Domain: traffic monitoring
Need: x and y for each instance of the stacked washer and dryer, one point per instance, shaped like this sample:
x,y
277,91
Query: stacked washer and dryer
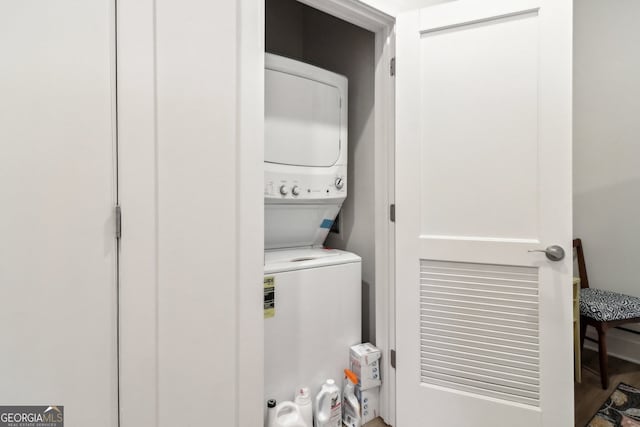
x,y
314,295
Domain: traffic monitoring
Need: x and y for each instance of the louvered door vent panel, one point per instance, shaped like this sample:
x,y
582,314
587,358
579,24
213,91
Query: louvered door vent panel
x,y
479,329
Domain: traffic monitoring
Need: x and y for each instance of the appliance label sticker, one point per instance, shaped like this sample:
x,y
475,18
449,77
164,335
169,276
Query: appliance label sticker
x,y
326,223
269,297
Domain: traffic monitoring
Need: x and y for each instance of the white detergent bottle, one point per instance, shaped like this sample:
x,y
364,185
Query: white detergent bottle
x,y
271,413
288,414
303,400
329,406
350,406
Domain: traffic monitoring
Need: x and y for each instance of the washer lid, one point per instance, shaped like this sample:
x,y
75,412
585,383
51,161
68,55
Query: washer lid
x,y
277,261
302,120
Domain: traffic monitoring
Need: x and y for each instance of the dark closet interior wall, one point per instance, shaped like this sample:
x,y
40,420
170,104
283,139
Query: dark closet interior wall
x,y
284,28
301,32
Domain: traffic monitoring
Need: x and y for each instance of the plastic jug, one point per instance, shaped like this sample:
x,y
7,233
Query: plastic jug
x,y
271,413
329,406
303,400
350,405
288,414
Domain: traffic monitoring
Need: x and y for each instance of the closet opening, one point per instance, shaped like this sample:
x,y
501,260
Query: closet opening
x,y
328,188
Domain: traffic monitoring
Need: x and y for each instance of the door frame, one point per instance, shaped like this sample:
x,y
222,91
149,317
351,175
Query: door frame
x,y
383,26
144,367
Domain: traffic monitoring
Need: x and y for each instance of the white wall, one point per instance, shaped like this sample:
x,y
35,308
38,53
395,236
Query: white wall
x,y
394,7
607,142
190,276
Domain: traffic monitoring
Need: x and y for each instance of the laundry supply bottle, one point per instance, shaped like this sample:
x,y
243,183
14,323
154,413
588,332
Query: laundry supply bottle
x,y
287,414
350,406
271,413
303,400
329,405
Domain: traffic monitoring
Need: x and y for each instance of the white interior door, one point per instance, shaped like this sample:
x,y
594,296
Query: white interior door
x,y
57,190
483,178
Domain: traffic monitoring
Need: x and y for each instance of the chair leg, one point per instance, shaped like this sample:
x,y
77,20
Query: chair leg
x,y
604,359
583,333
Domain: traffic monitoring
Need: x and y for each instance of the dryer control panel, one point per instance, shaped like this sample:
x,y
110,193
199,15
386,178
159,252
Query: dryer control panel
x,y
321,185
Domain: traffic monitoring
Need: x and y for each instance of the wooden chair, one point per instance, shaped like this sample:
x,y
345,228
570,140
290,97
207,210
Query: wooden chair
x,y
603,310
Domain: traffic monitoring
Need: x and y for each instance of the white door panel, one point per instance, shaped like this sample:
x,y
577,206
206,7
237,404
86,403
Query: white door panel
x,y
485,122
462,14
57,184
483,177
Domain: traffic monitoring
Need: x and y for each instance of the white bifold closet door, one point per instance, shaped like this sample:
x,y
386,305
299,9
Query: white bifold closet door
x,y
57,192
483,139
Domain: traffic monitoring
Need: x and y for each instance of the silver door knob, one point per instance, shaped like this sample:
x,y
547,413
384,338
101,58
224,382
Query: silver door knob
x,y
554,253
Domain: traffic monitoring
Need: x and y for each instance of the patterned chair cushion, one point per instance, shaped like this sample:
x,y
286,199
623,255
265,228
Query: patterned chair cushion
x,y
605,306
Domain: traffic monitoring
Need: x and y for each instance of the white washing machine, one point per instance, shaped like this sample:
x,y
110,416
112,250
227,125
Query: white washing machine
x,y
312,295
316,318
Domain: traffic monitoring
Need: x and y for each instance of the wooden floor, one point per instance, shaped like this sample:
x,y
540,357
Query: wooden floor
x,y
589,394
376,423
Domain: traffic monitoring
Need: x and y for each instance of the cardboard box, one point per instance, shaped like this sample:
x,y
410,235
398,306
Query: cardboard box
x,y
369,403
364,361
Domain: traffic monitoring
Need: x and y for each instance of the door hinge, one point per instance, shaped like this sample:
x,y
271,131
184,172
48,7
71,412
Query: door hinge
x,y
392,359
118,213
392,213
392,66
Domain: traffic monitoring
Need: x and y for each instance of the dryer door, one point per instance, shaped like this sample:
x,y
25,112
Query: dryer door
x,y
302,121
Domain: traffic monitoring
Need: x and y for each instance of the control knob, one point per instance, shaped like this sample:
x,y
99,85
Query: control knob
x,y
339,183
284,190
295,190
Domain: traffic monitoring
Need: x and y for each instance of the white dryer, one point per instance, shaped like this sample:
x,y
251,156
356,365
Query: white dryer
x,y
305,175
312,295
